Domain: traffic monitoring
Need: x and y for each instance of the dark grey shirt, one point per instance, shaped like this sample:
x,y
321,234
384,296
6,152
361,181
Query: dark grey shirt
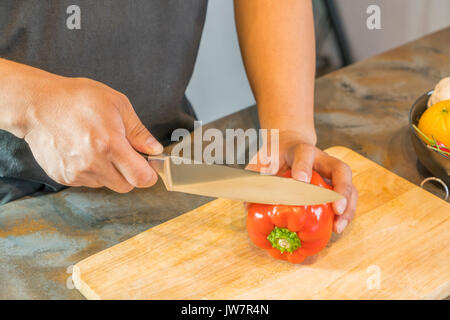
x,y
143,48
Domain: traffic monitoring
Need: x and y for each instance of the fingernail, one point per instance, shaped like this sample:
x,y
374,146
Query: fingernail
x,y
340,206
154,146
302,176
341,225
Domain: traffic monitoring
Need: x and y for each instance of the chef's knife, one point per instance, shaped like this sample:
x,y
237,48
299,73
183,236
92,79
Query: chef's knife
x,y
225,182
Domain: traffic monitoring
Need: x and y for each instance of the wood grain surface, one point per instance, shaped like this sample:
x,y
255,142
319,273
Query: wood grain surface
x,y
400,236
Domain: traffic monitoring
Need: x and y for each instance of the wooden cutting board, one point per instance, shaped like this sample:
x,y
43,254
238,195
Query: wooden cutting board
x,y
397,247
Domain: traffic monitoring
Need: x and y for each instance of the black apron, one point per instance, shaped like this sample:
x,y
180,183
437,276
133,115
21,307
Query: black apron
x,y
145,49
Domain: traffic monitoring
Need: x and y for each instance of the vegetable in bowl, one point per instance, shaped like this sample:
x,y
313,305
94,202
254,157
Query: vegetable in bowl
x,y
434,127
431,155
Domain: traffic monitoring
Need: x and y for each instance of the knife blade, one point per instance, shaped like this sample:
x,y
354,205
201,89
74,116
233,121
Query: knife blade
x,y
220,181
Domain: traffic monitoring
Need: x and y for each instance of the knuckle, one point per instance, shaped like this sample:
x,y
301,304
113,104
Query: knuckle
x,y
69,181
308,147
64,182
125,99
123,188
64,177
303,149
349,214
143,179
122,101
117,149
355,192
86,166
345,168
138,130
347,190
95,185
72,177
103,145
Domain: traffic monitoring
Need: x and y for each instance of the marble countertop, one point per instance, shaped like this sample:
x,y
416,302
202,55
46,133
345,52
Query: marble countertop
x,y
364,107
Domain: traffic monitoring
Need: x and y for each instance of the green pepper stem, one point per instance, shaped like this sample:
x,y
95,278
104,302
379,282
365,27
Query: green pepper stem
x,y
284,240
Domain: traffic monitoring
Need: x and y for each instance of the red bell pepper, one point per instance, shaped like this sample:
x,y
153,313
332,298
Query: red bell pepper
x,y
291,232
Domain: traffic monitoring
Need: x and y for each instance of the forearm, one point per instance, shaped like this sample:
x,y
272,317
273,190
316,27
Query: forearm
x,y
278,48
19,90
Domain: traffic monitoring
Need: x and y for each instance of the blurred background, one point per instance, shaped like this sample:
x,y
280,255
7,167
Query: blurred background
x,y
219,85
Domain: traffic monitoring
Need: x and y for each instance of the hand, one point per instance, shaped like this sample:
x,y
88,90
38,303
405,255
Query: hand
x,y
300,155
84,133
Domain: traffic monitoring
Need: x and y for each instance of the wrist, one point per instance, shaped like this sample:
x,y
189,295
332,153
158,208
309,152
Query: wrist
x,y
41,90
294,121
305,135
21,89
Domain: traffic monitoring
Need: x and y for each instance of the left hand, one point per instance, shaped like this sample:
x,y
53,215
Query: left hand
x,y
302,156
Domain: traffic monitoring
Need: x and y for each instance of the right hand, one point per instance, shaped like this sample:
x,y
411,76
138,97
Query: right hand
x,y
84,133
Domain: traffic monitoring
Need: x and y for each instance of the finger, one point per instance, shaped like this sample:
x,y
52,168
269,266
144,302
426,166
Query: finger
x,y
323,164
301,161
86,179
340,175
343,220
132,166
137,134
111,178
90,182
342,183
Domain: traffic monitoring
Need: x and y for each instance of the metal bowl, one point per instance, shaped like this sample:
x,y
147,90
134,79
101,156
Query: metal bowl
x,y
438,164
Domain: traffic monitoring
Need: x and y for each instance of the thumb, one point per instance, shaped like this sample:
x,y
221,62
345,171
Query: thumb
x,y
142,140
138,135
